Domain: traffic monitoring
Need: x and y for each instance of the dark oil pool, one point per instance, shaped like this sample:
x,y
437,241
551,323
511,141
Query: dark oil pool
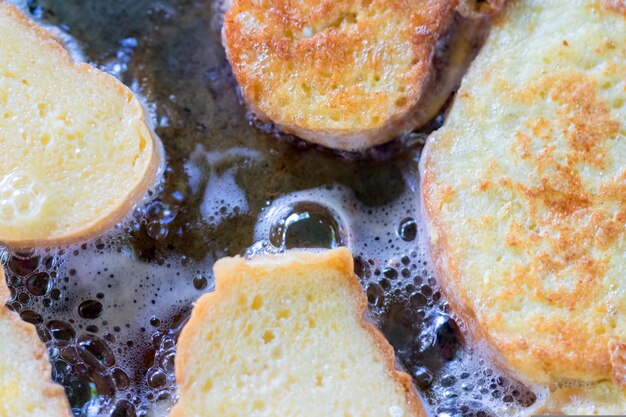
x,y
110,309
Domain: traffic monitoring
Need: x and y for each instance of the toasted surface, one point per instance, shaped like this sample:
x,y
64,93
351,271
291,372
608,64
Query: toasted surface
x,y
76,150
26,389
345,74
524,189
285,336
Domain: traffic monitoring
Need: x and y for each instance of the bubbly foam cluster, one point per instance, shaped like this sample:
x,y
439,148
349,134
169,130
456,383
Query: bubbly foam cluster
x,y
20,197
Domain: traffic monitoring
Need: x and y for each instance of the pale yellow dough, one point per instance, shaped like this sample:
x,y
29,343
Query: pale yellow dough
x,y
285,336
77,152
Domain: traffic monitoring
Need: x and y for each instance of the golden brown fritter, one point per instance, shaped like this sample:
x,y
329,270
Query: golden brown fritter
x,y
524,189
345,74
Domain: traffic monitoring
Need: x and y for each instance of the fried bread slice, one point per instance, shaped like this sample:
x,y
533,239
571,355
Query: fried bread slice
x,y
77,152
524,192
26,389
285,335
345,74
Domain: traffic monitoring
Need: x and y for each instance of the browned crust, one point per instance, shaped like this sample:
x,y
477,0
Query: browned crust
x,y
26,332
449,278
476,8
338,259
585,122
618,6
593,362
596,361
106,221
421,91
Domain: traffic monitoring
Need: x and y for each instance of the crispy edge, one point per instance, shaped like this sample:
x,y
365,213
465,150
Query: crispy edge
x,y
398,122
107,220
446,271
338,259
27,333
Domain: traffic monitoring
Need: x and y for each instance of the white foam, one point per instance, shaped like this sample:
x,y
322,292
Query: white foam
x,y
132,294
219,9
223,198
360,226
20,197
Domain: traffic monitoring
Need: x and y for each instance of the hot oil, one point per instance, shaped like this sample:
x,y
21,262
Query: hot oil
x,y
110,310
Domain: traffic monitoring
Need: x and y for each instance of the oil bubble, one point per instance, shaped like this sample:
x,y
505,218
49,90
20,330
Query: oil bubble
x,y
61,331
306,225
90,309
408,229
31,316
39,284
200,282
